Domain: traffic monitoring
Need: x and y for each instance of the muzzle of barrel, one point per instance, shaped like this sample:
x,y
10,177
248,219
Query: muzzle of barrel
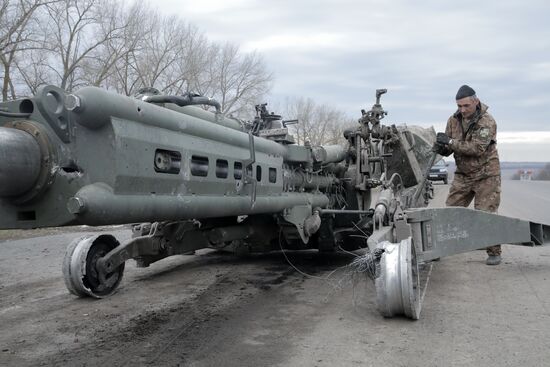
x,y
20,162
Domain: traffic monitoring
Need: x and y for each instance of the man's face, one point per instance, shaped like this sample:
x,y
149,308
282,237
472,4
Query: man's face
x,y
467,106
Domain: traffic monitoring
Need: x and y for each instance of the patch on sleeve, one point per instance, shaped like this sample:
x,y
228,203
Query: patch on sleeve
x,y
484,133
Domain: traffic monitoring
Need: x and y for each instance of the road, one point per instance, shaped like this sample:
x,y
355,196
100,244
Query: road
x,y
213,309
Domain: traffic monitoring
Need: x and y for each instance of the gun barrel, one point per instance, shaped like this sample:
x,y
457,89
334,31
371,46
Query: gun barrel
x,y
19,162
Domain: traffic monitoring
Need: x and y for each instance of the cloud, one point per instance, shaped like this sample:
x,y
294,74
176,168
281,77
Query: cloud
x,y
524,153
539,71
526,146
290,41
524,137
339,52
206,8
535,101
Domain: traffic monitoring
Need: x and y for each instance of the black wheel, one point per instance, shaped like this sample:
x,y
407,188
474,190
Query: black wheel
x,y
80,267
445,181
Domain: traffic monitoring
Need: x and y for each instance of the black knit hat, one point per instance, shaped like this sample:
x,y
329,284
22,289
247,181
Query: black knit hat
x,y
465,91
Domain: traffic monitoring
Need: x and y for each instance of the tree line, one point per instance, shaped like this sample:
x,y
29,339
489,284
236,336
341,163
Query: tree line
x,y
541,175
318,123
105,43
120,47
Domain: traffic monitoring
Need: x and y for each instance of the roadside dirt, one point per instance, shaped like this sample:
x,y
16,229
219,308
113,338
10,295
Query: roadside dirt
x,y
214,309
167,314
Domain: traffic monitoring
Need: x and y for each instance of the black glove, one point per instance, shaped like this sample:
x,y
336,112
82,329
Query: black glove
x,y
438,148
442,138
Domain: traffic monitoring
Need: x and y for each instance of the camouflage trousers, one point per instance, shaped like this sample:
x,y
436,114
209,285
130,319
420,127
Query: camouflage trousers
x,y
484,192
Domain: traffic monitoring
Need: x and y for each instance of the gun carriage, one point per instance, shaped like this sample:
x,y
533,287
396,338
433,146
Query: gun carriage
x,y
189,179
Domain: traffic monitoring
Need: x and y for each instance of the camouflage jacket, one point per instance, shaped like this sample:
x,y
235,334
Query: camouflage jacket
x,y
475,149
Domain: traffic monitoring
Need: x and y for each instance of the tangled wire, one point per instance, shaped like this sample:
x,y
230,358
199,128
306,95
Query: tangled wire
x,y
368,263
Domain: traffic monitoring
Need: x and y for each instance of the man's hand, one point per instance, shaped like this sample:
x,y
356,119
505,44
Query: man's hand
x,y
443,139
438,148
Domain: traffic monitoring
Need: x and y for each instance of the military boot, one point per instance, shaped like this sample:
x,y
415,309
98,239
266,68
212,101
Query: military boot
x,y
493,260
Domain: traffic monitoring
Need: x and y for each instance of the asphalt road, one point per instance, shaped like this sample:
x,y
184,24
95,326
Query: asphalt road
x,y
213,309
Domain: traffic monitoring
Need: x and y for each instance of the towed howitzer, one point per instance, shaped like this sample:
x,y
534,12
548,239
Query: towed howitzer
x,y
189,179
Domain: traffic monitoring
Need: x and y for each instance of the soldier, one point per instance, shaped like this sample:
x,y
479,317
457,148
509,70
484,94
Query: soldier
x,y
471,136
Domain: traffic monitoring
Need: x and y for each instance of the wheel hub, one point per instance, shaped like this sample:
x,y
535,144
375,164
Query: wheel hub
x,y
398,286
80,267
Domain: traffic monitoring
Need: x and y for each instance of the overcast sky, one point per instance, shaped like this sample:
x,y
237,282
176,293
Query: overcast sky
x,y
339,52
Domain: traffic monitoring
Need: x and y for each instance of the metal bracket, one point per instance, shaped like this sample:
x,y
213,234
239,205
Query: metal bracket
x,y
540,234
423,179
402,228
139,246
297,215
249,179
51,103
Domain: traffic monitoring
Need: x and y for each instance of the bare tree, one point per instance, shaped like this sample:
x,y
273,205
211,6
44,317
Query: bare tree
x,y
204,79
318,124
158,57
17,34
175,57
193,58
124,76
119,27
240,80
162,49
105,43
33,70
78,31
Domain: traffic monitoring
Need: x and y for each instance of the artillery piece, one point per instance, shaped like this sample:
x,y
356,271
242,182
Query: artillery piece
x,y
189,179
